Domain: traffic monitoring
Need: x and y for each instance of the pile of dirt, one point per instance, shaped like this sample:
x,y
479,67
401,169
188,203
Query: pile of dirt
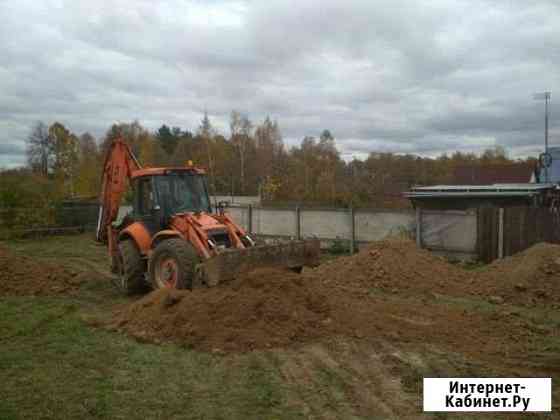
x,y
20,275
529,277
389,289
397,266
394,266
266,308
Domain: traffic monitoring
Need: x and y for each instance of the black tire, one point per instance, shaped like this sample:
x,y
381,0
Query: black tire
x,y
131,268
173,264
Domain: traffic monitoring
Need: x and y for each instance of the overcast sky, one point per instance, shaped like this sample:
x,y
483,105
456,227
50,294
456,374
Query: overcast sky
x,y
421,77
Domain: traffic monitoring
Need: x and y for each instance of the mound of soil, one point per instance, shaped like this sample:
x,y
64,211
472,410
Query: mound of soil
x,y
529,277
386,290
266,308
20,275
398,266
395,266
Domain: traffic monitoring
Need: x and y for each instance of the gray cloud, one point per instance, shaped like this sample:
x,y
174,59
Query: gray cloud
x,y
382,76
12,149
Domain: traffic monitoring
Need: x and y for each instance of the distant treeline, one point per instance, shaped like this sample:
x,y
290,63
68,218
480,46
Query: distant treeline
x,y
251,159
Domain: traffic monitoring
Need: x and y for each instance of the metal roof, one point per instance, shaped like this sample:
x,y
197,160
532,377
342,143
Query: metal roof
x,y
494,190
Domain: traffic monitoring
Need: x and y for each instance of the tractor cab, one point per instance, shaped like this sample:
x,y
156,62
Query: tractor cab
x,y
158,195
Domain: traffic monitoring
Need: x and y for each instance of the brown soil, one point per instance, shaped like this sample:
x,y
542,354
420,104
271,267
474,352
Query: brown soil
x,y
529,277
266,308
20,275
396,266
388,290
395,291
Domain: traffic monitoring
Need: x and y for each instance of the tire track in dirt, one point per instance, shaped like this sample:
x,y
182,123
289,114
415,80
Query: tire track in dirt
x,y
311,394
343,378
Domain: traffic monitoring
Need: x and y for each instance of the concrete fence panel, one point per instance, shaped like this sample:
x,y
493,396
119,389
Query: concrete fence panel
x,y
275,222
327,224
242,200
376,225
449,230
240,215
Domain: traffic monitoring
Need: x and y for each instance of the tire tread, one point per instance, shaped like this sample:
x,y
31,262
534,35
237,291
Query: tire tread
x,y
186,256
133,267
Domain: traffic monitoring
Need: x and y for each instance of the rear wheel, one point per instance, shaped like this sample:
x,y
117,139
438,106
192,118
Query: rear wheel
x,y
131,268
173,264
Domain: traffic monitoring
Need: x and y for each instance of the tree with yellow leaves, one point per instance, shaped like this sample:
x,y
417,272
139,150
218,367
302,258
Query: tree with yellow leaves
x,y
89,168
66,152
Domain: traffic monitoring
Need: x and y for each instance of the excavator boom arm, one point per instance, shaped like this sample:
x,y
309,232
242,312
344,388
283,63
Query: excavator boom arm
x,y
119,164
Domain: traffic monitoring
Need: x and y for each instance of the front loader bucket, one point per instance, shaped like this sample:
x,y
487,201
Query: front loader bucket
x,y
233,262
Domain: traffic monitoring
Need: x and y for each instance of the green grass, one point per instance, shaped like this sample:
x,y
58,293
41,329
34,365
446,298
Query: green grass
x,y
53,366
77,252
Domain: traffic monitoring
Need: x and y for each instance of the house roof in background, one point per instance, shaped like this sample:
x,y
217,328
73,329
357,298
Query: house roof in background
x,y
492,174
495,190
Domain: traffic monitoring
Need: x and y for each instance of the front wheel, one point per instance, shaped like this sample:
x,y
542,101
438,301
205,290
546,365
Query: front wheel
x,y
173,264
130,267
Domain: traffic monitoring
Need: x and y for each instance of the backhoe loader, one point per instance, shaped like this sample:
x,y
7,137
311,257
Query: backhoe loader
x,y
173,238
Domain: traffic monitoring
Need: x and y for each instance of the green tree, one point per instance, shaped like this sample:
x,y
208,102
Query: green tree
x,y
168,138
495,155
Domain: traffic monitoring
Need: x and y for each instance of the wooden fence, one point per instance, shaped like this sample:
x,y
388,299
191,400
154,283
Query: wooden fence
x,y
502,232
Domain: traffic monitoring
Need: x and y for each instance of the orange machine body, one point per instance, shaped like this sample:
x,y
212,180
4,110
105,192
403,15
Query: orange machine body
x,y
205,231
199,229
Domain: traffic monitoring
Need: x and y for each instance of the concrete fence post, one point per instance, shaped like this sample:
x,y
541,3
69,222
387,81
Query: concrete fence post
x,y
298,222
250,218
418,227
501,233
352,231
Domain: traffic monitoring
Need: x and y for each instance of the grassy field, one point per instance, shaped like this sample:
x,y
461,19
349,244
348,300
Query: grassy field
x,y
55,364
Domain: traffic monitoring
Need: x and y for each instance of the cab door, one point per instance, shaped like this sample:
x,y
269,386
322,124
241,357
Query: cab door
x,y
145,204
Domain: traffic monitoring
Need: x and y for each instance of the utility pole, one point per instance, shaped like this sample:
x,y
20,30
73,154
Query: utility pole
x,y
546,97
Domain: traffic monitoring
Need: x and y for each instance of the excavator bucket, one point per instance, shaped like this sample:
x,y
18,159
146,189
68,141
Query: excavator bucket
x,y
232,263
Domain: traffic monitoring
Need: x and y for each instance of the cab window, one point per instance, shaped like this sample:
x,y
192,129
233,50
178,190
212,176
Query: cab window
x,y
145,196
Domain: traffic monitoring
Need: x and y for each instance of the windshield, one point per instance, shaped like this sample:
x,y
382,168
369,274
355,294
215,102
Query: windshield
x,y
183,192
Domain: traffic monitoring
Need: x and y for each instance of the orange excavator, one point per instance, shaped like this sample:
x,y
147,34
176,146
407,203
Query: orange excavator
x,y
173,238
